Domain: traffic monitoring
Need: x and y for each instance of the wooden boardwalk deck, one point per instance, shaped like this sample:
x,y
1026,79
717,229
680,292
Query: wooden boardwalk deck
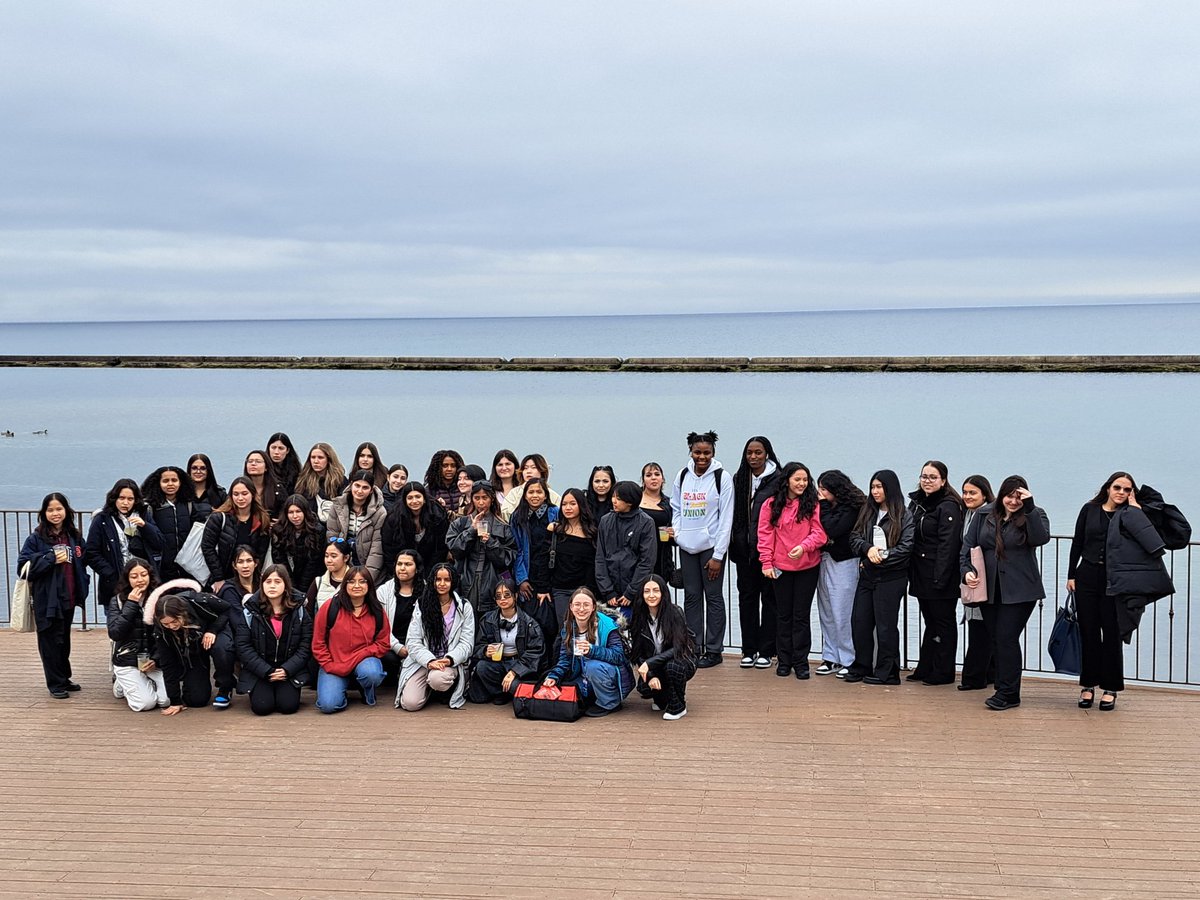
x,y
769,788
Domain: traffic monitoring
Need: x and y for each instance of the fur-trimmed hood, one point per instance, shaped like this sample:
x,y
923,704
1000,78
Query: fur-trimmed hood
x,y
174,586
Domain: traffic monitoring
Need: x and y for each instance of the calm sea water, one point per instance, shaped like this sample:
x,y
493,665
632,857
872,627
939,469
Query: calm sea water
x,y
1065,433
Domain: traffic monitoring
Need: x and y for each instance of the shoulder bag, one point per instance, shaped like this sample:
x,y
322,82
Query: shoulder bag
x,y
21,609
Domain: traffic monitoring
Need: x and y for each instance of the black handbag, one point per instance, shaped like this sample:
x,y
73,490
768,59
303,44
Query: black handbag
x,y
1066,646
674,573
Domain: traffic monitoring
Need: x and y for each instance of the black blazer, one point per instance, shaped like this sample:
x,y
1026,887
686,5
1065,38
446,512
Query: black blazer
x,y
1019,575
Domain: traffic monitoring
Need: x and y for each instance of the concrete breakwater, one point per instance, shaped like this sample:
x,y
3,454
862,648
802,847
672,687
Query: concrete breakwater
x,y
1065,364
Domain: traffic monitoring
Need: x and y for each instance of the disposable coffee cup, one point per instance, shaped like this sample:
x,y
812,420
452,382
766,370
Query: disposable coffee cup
x,y
143,660
484,527
664,533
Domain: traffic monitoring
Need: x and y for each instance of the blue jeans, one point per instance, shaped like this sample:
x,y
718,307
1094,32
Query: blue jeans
x,y
331,689
605,681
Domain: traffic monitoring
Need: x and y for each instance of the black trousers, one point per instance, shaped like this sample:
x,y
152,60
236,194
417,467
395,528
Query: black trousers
x,y
214,664
794,593
268,697
391,669
54,647
488,675
756,611
1005,623
546,617
939,643
875,619
674,675
979,669
1103,654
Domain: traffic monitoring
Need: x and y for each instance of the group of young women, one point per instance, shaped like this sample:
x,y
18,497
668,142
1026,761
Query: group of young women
x,y
464,584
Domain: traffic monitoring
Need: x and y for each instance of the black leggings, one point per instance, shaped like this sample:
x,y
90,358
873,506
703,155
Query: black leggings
x,y
267,697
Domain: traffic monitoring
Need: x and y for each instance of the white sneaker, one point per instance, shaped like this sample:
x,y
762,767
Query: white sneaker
x,y
118,691
826,668
842,672
671,717
763,662
747,662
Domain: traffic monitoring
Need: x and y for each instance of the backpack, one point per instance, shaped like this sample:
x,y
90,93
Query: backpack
x,y
716,475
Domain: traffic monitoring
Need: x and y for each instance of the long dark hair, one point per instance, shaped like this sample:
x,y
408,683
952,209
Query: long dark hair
x,y
985,487
1017,520
1102,494
289,598
893,503
433,475
212,490
152,490
945,473
418,576
110,499
432,624
844,491
123,579
522,514
743,475
586,520
494,503
431,513
259,517
284,534
593,498
46,531
256,578
268,476
671,622
341,600
287,471
378,470
808,499
511,457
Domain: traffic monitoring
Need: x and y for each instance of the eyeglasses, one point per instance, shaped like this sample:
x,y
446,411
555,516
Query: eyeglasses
x,y
930,477
197,468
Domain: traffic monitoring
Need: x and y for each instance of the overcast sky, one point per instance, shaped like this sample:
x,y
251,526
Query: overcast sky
x,y
220,159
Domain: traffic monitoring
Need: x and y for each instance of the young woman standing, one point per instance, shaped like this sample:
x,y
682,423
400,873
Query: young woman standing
x,y
790,538
202,492
533,466
416,523
274,643
702,504
572,554
753,483
483,548
240,521
298,542
285,464
172,514
1009,536
358,516
58,582
937,512
626,548
440,639
123,529
841,502
600,491
321,479
978,670
441,478
366,458
658,507
882,539
505,474
270,493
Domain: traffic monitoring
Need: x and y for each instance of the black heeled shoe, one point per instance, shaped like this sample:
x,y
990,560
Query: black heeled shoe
x,y
1086,702
1107,705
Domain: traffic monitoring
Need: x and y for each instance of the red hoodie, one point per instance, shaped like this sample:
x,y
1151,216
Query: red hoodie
x,y
352,639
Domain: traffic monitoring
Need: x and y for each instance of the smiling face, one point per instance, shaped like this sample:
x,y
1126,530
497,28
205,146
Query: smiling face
x,y
124,501
756,457
505,468
797,483
972,496
582,608
1119,491
198,471
702,456
56,513
397,480
317,460
464,482
168,483
652,594
273,586
1013,502
278,451
356,587
415,501
931,480
535,496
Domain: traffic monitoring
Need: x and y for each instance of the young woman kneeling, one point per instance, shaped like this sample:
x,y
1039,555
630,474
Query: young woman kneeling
x,y
663,649
440,639
136,676
350,637
191,633
592,657
508,650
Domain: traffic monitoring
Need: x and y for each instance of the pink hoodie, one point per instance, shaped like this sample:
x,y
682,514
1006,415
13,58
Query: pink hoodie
x,y
774,543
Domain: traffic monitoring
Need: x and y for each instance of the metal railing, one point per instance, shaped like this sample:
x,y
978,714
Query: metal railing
x,y
1160,652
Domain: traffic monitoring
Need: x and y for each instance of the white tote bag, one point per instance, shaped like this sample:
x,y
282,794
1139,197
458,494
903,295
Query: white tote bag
x,y
21,607
190,557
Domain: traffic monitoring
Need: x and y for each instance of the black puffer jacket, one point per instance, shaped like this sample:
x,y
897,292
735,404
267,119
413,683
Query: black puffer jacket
x,y
530,643
174,521
128,631
221,539
1133,553
261,653
937,539
176,652
304,559
838,521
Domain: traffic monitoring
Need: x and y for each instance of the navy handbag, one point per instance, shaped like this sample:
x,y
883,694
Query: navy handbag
x,y
1065,645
